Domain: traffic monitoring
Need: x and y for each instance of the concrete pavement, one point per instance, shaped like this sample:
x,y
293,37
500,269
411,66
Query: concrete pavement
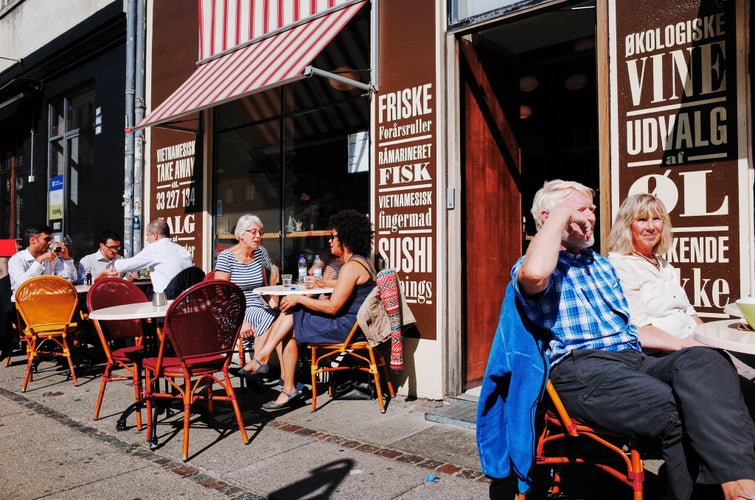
x,y
52,448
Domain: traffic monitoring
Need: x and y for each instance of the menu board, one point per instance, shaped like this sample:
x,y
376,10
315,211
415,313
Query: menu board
x,y
406,156
676,73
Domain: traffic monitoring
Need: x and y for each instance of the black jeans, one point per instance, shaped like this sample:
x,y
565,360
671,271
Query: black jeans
x,y
690,400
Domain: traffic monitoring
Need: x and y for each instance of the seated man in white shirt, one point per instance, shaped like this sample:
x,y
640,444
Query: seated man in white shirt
x,y
163,257
98,263
41,256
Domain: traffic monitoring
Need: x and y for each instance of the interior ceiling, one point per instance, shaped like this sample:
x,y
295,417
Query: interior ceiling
x,y
543,29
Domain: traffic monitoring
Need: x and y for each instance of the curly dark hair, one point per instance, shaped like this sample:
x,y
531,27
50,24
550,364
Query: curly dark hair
x,y
354,231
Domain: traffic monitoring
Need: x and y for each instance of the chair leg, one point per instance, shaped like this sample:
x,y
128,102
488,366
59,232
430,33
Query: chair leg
x,y
236,409
187,417
67,354
103,384
136,380
376,376
313,370
29,367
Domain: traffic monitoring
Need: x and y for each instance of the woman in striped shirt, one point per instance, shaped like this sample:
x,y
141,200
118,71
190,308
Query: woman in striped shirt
x,y
247,264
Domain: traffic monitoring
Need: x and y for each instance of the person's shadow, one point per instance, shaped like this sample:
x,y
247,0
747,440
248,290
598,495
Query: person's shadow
x,y
320,484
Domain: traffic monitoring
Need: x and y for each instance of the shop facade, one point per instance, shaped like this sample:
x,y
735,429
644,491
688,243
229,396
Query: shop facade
x,y
441,121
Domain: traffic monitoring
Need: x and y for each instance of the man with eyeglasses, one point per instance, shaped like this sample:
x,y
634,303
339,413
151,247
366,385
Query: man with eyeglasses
x,y
163,257
100,263
41,256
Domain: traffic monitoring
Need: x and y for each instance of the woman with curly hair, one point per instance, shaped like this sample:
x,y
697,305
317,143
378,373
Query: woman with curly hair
x,y
325,319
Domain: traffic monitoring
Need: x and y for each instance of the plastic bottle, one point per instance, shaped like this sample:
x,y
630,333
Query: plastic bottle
x,y
302,268
317,268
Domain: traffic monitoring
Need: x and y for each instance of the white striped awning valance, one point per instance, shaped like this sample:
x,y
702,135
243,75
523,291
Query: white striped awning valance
x,y
276,59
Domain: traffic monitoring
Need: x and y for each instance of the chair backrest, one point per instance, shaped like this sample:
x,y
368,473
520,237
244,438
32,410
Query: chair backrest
x,y
47,300
107,292
205,319
183,281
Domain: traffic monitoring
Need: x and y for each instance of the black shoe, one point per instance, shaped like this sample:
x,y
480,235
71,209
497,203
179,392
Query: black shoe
x,y
293,397
262,369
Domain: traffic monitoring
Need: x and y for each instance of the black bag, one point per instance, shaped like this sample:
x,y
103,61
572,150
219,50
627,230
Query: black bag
x,y
353,387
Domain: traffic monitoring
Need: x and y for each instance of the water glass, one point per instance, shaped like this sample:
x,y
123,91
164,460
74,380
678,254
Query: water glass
x,y
286,279
309,282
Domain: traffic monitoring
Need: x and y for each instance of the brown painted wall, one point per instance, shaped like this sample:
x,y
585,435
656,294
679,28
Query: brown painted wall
x,y
175,157
406,154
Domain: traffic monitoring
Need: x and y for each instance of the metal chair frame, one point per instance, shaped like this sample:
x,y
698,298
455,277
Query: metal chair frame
x,y
110,292
560,430
200,354
46,306
365,357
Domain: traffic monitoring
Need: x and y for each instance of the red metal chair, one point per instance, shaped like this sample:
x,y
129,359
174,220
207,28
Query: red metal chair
x,y
202,325
561,432
46,305
108,292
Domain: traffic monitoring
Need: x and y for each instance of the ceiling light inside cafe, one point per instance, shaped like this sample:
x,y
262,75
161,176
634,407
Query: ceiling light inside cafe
x,y
528,83
575,82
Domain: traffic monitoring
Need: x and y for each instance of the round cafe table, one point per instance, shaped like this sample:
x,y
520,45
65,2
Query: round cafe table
x,y
291,290
137,310
730,334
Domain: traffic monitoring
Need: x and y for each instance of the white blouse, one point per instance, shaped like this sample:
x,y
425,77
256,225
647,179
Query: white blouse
x,y
655,296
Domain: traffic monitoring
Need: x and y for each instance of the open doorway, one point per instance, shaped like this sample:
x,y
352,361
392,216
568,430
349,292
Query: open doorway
x,y
529,114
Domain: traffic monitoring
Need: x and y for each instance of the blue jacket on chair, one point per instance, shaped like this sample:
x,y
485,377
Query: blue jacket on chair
x,y
512,388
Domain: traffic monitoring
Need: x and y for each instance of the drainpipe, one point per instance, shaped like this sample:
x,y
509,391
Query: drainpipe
x,y
128,171
141,33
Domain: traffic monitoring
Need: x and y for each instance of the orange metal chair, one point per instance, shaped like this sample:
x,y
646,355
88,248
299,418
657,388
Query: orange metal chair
x,y
111,292
351,354
46,305
560,432
202,325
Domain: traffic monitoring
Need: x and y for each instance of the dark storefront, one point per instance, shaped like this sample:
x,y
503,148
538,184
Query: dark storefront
x,y
61,134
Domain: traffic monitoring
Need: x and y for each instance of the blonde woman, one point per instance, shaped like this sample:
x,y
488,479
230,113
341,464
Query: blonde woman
x,y
641,234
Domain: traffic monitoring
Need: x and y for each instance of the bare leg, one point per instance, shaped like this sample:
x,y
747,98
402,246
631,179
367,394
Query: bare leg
x,y
281,328
743,488
288,369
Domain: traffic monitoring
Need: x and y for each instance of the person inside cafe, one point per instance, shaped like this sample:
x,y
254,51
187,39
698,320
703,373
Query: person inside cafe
x,y
41,256
96,265
689,399
164,258
640,235
246,264
323,318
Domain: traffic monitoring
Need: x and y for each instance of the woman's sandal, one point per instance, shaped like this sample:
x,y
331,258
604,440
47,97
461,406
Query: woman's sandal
x,y
262,369
292,397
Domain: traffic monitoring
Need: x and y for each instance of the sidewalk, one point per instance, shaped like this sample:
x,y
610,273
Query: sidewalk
x,y
53,449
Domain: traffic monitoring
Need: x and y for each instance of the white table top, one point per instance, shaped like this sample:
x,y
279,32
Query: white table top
x,y
137,310
730,334
83,288
291,290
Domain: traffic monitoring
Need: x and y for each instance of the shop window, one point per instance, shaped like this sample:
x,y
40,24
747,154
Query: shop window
x,y
71,201
290,167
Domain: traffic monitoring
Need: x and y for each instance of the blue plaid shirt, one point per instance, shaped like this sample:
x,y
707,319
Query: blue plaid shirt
x,y
583,306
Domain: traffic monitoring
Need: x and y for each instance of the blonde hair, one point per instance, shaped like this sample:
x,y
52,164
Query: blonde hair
x,y
244,222
552,194
635,207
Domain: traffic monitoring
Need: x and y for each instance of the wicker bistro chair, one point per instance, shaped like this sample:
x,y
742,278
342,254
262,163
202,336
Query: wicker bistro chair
x,y
556,446
202,325
46,306
111,292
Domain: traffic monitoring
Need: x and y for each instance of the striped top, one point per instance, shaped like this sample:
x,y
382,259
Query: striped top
x,y
246,276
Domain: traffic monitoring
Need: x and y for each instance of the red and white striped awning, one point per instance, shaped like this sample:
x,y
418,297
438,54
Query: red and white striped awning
x,y
276,59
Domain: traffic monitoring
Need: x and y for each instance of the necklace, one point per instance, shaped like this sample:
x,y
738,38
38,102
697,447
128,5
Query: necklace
x,y
654,261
